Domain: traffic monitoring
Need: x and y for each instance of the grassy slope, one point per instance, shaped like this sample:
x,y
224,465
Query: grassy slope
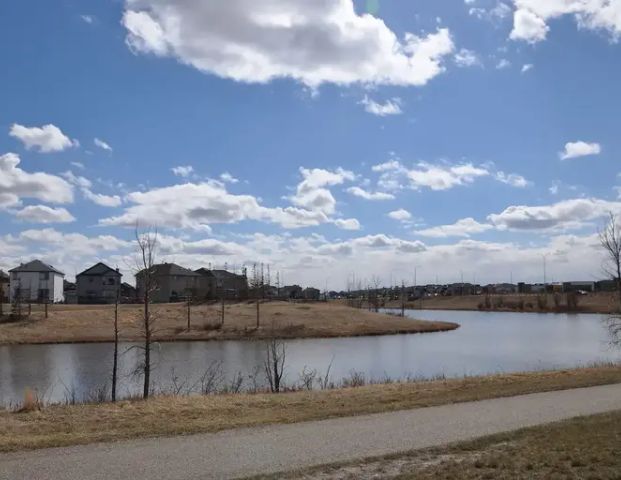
x,y
71,425
586,447
82,323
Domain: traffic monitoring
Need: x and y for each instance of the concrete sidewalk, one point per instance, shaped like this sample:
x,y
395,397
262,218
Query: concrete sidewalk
x,y
271,449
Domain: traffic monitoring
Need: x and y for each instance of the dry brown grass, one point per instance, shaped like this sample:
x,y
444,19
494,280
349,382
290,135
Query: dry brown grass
x,y
86,323
71,425
591,303
580,448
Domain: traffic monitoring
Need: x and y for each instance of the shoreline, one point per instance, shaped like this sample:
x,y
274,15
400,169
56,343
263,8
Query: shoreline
x,y
66,425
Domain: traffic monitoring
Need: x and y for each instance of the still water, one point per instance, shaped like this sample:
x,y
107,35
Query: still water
x,y
485,343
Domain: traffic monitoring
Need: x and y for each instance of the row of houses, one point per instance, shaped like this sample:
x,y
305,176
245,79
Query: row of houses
x,y
39,282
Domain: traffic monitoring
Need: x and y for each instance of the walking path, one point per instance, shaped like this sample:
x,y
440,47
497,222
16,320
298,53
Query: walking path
x,y
271,449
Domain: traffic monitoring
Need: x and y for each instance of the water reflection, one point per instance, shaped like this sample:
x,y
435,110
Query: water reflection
x,y
485,343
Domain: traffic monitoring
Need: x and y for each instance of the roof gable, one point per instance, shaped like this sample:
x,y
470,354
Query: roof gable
x,y
36,266
99,269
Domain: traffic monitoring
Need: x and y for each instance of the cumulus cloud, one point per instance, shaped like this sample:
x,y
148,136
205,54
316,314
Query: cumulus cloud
x,y
562,215
44,214
400,215
502,64
390,107
183,171
462,228
580,149
531,17
527,67
101,144
312,194
198,205
362,193
495,14
311,41
512,179
16,183
226,177
45,139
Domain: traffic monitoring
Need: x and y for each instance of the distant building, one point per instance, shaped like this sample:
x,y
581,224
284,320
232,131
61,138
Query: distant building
x,y
36,281
208,284
291,292
606,286
230,285
129,293
311,293
171,283
4,287
99,284
71,292
503,288
455,289
579,286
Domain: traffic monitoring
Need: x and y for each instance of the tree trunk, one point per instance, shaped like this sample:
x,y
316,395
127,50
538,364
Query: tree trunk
x,y
115,360
147,348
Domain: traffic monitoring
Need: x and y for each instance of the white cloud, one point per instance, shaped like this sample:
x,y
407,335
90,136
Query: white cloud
x,y
362,193
467,58
16,183
400,215
580,149
503,63
101,144
88,19
496,14
390,107
183,171
531,17
512,179
45,139
44,214
226,177
85,187
527,67
311,192
462,228
309,41
79,165
101,199
347,224
567,214
198,205
444,177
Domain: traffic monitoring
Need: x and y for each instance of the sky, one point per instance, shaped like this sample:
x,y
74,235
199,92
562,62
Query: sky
x,y
337,141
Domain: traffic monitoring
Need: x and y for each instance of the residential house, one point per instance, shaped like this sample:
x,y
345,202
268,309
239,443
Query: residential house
x,y
4,287
99,284
36,281
208,284
606,286
291,292
461,289
311,293
230,285
171,283
503,288
71,292
129,294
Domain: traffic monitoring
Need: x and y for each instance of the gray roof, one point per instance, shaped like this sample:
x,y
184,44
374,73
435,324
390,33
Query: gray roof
x,y
225,274
99,269
168,269
205,272
36,266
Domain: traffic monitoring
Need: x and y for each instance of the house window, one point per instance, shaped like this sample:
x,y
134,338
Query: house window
x,y
111,281
44,276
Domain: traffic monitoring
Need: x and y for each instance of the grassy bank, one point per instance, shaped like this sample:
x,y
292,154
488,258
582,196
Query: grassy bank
x,y
592,303
80,424
86,323
586,447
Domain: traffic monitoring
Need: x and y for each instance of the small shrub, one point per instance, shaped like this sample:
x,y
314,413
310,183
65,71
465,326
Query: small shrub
x,y
355,379
31,402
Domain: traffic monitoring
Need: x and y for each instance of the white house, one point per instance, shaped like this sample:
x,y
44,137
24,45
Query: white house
x,y
37,282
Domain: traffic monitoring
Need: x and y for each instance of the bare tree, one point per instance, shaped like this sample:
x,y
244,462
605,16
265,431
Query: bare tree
x,y
610,240
147,251
275,355
115,358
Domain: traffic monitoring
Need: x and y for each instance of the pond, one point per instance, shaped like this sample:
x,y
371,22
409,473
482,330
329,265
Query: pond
x,y
485,343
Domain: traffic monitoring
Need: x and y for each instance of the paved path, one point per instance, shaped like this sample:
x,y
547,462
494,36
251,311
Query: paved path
x,y
243,452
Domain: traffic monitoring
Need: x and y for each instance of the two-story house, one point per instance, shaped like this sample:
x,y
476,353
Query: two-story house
x,y
36,281
98,284
170,283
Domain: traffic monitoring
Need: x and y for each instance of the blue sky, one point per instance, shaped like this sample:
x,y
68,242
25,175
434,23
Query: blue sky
x,y
462,136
